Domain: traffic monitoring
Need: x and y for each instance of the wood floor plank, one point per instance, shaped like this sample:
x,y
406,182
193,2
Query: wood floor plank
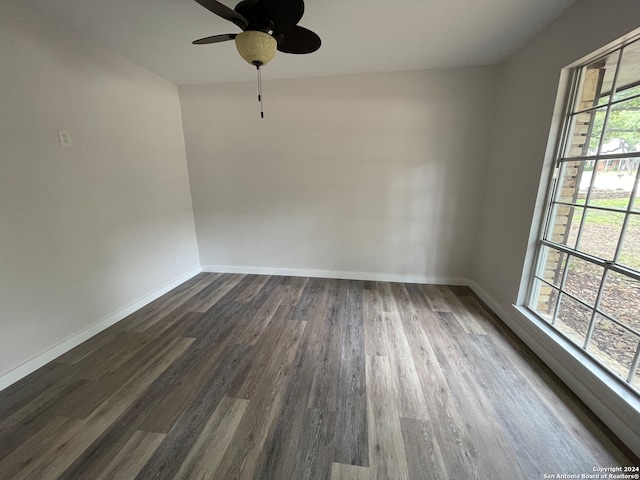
x,y
217,323
252,290
435,298
352,438
451,432
328,349
25,458
237,282
519,409
424,458
34,415
110,356
470,324
278,456
172,305
340,471
470,306
480,413
409,396
208,450
386,448
95,458
537,375
132,457
461,290
167,458
261,296
387,303
255,322
90,395
273,348
71,439
305,306
576,418
314,451
262,418
233,376
128,408
81,351
15,396
173,322
195,372
374,327
297,285
215,282
105,415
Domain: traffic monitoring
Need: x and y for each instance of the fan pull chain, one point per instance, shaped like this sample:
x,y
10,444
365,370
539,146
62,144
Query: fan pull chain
x,y
260,90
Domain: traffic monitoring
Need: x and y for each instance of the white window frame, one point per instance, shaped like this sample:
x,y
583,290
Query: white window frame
x,y
542,218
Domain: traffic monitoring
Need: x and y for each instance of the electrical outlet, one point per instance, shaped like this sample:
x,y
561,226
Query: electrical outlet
x,y
178,260
65,139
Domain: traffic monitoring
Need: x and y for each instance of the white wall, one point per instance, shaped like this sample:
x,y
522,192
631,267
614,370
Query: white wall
x,y
528,86
519,158
377,173
88,230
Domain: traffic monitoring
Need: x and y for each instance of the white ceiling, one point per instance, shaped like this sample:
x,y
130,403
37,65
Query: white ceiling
x,y
358,35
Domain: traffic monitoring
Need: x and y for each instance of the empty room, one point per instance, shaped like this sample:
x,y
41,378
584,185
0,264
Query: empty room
x,y
287,239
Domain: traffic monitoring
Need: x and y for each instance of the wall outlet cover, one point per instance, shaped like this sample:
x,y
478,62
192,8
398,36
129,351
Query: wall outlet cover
x,y
65,139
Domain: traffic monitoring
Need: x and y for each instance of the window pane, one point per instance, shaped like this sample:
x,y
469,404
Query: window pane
x,y
616,200
564,224
583,279
613,345
623,128
544,302
552,263
628,75
584,133
612,185
597,81
630,251
601,233
621,299
573,319
584,181
570,176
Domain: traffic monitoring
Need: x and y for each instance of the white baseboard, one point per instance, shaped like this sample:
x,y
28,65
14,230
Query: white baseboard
x,y
344,275
616,406
54,352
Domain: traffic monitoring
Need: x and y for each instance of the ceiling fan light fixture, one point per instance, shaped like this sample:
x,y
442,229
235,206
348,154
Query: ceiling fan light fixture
x,y
257,48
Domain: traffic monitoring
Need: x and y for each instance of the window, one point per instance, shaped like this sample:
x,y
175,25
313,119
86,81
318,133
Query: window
x,y
586,282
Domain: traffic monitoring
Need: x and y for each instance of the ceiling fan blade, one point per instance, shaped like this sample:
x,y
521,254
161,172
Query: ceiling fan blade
x,y
215,39
255,18
285,14
298,40
224,12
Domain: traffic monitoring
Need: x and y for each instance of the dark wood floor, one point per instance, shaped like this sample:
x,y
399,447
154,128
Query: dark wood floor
x,y
234,376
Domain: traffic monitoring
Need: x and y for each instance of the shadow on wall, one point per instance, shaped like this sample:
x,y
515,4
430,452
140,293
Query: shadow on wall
x,y
368,173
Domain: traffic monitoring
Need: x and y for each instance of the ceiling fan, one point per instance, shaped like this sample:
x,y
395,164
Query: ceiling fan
x,y
266,25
